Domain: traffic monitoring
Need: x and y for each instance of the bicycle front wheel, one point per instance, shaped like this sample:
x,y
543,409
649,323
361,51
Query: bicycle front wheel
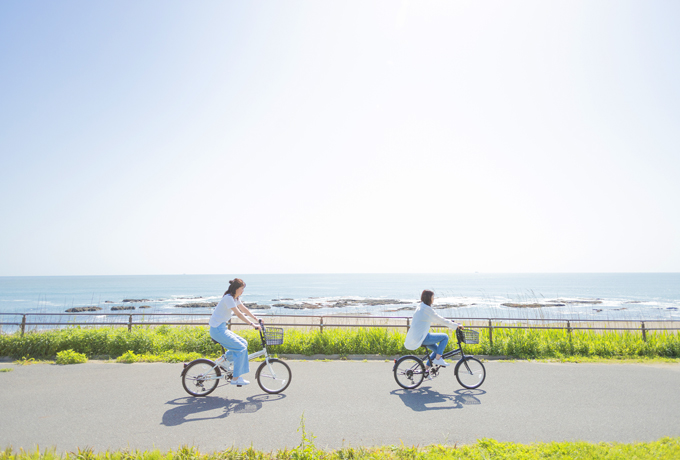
x,y
409,372
273,376
200,377
470,372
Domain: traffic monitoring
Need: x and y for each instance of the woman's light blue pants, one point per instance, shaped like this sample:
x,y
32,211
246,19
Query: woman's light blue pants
x,y
237,348
436,342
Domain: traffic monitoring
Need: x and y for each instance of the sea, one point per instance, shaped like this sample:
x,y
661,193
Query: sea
x,y
582,296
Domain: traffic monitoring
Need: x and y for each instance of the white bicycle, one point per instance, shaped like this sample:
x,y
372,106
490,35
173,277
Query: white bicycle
x,y
201,376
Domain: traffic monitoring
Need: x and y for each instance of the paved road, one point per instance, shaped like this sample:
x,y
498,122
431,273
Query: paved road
x,y
143,406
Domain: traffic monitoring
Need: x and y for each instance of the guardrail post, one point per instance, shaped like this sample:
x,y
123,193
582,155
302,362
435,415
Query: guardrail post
x,y
408,324
23,324
490,333
130,324
571,345
644,332
321,324
229,325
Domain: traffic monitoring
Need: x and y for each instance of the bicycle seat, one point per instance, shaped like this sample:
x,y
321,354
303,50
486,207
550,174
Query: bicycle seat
x,y
218,343
427,351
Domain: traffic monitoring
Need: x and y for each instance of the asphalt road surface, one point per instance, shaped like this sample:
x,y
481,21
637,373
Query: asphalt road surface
x,y
344,403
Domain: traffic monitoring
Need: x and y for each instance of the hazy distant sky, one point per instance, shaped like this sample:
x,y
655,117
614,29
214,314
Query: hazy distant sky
x,y
164,137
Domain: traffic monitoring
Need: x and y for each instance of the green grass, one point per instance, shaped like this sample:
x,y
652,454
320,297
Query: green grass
x,y
547,343
70,357
663,449
184,343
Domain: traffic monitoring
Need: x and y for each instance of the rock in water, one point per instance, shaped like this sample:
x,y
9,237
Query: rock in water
x,y
82,309
197,305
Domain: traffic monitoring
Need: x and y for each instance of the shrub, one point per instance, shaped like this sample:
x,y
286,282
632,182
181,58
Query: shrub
x,y
178,343
128,357
70,357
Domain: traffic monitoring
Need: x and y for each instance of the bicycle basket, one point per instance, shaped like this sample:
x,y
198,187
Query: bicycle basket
x,y
273,335
469,336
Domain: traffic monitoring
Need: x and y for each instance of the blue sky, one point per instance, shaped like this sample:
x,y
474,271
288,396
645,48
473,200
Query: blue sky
x,y
325,137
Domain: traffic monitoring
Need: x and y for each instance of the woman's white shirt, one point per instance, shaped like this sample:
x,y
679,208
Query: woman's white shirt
x,y
420,325
222,312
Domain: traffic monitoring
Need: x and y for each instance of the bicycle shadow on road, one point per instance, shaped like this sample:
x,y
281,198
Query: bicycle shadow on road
x,y
426,399
191,409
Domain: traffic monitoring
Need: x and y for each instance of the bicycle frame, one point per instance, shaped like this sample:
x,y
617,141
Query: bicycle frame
x,y
251,356
427,359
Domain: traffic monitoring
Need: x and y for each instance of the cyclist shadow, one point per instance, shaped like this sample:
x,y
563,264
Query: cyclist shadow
x,y
189,409
425,398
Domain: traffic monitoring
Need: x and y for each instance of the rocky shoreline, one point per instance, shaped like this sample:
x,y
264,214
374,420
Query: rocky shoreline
x,y
339,304
312,304
83,309
114,308
252,306
197,305
552,303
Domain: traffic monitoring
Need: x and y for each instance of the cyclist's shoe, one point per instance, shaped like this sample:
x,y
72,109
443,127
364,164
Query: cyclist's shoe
x,y
224,363
440,362
240,381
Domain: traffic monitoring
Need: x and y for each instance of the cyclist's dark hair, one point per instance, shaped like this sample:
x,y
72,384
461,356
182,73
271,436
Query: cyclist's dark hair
x,y
426,297
234,285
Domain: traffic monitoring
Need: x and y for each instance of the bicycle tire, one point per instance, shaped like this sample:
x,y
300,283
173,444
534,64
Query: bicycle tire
x,y
409,372
193,377
470,372
275,377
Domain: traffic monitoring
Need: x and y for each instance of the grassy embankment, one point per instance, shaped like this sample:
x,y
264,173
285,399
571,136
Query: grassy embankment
x,y
182,343
663,449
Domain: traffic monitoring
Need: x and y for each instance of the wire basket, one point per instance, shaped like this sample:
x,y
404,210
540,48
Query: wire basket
x,y
273,335
469,336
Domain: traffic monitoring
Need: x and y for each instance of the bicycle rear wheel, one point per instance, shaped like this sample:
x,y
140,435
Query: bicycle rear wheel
x,y
409,372
200,377
470,372
273,377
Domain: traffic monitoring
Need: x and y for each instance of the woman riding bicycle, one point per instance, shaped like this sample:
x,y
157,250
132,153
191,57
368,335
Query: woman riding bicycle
x,y
419,334
237,347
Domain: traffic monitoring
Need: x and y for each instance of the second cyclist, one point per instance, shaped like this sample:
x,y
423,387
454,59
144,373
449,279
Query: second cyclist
x,y
419,334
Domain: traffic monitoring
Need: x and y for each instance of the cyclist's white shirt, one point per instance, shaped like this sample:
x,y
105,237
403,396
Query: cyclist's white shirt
x,y
420,326
222,312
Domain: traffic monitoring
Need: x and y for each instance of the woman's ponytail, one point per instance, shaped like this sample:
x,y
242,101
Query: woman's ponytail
x,y
234,285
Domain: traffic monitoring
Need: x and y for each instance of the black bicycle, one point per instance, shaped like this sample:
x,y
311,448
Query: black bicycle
x,y
201,376
410,371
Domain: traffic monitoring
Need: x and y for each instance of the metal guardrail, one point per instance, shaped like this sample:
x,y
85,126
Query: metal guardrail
x,y
318,321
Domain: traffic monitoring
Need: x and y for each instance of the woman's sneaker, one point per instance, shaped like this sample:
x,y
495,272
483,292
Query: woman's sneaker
x,y
223,362
240,381
440,362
